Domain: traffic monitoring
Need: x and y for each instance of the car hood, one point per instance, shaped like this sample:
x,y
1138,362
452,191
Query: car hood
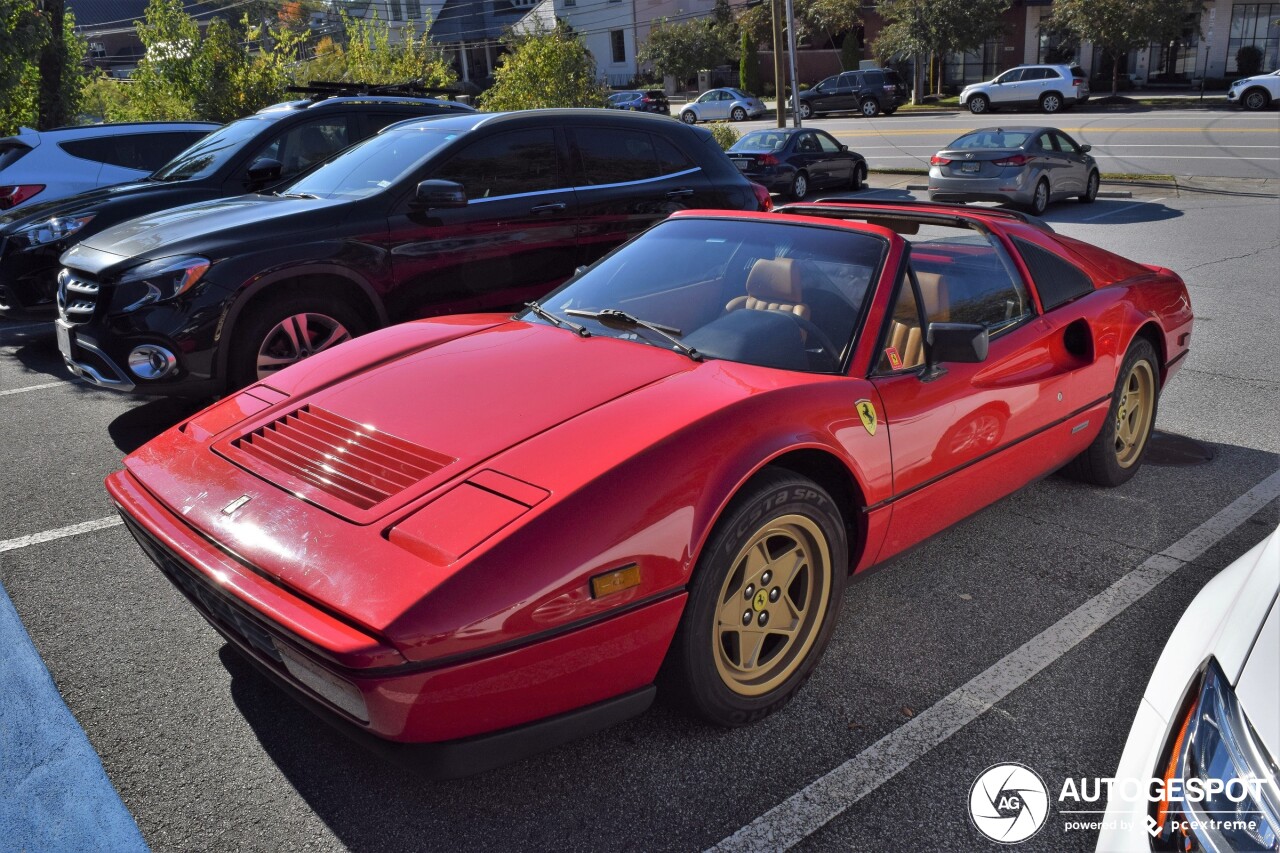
x,y
183,229
445,410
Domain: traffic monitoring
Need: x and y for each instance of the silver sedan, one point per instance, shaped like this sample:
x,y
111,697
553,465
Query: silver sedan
x,y
1026,166
722,104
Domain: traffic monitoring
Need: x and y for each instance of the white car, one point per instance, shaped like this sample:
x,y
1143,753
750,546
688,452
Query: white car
x,y
1255,93
721,105
1208,727
52,164
1049,88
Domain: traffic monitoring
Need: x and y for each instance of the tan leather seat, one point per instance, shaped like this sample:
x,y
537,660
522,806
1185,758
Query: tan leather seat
x,y
908,342
935,292
773,285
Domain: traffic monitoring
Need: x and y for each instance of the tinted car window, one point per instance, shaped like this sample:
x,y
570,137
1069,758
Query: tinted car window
x,y
991,139
375,164
11,155
609,156
849,80
212,152
1010,76
305,145
874,78
506,164
670,158
144,151
1057,280
88,149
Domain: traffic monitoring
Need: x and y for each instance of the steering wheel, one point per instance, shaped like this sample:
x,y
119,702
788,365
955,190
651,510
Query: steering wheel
x,y
812,334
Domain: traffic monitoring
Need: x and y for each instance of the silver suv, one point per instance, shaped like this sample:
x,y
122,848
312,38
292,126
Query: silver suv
x,y
1049,88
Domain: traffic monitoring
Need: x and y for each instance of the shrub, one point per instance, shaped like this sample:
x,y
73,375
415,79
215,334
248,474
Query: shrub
x,y
724,133
1249,61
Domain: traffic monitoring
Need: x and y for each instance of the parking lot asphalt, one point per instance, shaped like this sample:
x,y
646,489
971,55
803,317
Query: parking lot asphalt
x,y
204,753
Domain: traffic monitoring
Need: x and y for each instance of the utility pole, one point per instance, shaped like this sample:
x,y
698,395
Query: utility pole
x,y
791,56
778,86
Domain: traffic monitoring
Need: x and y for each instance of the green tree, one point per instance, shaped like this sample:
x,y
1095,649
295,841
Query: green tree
x,y
815,19
544,68
749,65
1117,26
684,49
23,33
365,54
60,67
850,53
1249,60
937,27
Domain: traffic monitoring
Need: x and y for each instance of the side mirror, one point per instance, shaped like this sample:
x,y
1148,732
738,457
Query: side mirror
x,y
1085,149
264,170
440,195
844,147
961,343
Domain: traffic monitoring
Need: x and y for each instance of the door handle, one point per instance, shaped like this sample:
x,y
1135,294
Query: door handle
x,y
553,207
680,193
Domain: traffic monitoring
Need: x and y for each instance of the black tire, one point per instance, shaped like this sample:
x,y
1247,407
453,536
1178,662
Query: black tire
x,y
1050,102
800,186
738,114
689,117
859,177
1090,193
979,104
1255,99
701,673
1109,461
1039,198
257,333
805,110
870,108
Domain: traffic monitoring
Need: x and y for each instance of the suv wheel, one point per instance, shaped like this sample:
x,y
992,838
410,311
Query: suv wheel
x,y
870,108
1255,99
978,104
1050,102
284,330
805,110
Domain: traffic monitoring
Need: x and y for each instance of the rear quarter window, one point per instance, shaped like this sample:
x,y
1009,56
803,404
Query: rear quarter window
x,y
1057,280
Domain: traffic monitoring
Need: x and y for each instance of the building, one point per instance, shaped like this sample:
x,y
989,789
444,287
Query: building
x,y
108,28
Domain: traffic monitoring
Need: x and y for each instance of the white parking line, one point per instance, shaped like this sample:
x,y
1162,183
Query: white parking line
x,y
60,533
806,811
40,387
1126,207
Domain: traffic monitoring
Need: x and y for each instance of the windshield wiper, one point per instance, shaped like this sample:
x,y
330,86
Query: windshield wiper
x,y
559,321
622,318
297,195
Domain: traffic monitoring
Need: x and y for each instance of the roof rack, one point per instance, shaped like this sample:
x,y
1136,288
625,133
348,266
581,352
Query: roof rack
x,y
321,89
959,208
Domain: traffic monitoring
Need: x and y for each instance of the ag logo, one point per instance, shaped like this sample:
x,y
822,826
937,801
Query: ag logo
x,y
1008,803
867,413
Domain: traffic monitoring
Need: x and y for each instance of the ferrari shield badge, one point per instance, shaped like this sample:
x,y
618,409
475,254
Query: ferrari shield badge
x,y
867,412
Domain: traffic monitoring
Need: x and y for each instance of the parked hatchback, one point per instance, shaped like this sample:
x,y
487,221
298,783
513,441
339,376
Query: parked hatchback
x,y
53,164
453,214
1026,166
722,105
253,153
869,92
1049,88
647,101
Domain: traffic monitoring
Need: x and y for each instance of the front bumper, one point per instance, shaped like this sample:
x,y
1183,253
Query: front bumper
x,y
467,715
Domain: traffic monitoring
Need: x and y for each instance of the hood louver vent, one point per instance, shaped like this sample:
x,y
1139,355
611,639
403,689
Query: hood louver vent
x,y
346,460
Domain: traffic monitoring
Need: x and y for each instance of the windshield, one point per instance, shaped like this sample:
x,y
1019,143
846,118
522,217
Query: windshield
x,y
991,139
762,140
373,165
210,153
757,292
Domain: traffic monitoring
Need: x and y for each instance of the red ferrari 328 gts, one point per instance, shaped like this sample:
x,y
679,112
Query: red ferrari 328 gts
x,y
473,537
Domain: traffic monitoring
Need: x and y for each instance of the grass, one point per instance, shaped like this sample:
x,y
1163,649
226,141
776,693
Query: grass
x,y
951,102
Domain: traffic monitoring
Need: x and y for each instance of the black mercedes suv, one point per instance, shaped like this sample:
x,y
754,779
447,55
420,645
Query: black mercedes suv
x,y
455,213
264,149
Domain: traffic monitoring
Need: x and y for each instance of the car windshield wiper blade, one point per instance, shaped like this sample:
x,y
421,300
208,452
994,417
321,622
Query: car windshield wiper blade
x,y
559,321
297,195
613,315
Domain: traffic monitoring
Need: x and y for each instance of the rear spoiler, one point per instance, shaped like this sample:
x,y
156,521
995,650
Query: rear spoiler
x,y
26,138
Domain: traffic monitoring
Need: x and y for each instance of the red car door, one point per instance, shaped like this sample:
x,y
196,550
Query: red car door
x,y
973,433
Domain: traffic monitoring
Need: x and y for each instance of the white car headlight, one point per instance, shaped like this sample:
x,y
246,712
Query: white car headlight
x,y
53,230
1220,785
165,278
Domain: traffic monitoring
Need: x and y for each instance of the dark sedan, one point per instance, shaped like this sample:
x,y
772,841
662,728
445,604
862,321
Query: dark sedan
x,y
1025,166
793,161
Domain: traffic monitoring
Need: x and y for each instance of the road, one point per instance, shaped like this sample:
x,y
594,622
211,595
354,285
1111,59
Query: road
x,y
1164,142
206,754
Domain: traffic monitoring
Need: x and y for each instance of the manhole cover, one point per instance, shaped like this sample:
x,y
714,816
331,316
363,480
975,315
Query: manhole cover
x,y
1166,448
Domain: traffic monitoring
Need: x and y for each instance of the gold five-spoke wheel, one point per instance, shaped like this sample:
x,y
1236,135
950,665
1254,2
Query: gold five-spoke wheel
x,y
1134,412
771,604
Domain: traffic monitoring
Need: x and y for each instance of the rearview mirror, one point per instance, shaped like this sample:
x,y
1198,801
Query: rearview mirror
x,y
440,195
960,343
264,170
